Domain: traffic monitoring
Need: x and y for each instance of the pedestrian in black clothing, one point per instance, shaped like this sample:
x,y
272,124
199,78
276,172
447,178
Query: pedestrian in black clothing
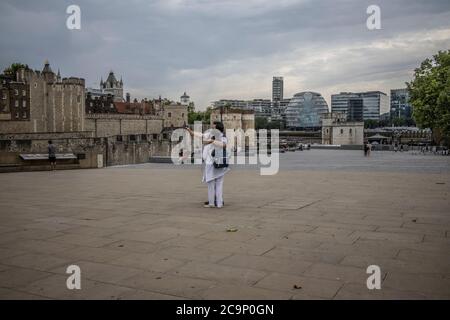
x,y
52,155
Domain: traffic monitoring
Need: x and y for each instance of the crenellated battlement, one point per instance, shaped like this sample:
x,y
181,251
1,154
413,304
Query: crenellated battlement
x,y
74,81
47,75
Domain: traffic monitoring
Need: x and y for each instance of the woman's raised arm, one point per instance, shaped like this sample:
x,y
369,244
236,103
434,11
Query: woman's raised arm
x,y
194,133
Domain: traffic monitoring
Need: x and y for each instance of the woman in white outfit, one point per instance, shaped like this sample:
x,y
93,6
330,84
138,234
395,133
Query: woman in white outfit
x,y
213,140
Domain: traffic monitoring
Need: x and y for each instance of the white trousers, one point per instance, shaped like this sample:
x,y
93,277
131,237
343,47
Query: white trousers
x,y
215,192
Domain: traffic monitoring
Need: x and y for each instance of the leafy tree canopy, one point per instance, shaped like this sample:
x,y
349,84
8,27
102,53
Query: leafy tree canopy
x,y
198,115
430,95
13,68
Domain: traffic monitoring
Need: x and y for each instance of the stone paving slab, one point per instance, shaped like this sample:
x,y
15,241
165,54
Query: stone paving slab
x,y
237,292
267,264
318,287
137,233
178,286
50,287
220,273
360,292
149,261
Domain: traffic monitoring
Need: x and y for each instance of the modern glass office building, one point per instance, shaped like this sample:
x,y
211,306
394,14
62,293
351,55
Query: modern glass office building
x,y
355,109
306,110
400,105
374,103
231,103
340,102
260,106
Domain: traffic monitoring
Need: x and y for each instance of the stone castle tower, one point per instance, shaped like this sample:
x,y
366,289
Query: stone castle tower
x,y
113,86
42,101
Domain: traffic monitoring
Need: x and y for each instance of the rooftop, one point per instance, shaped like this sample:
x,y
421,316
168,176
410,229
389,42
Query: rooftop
x,y
233,110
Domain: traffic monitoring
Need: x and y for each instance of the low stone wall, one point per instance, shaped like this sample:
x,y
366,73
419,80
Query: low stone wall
x,y
106,125
114,150
117,139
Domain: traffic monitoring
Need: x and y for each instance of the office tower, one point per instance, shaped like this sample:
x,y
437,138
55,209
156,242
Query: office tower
x,y
400,106
277,89
375,103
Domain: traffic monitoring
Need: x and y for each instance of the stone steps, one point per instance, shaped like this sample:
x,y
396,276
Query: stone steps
x,y
24,168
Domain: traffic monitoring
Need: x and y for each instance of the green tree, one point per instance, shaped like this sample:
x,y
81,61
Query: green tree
x,y
191,107
384,123
202,116
430,95
399,122
410,122
207,114
275,124
195,116
192,115
260,123
370,124
13,68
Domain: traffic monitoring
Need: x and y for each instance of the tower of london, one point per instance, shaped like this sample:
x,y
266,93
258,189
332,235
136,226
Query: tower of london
x,y
112,86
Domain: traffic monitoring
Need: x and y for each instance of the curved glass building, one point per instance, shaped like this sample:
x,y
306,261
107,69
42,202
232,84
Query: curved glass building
x,y
306,110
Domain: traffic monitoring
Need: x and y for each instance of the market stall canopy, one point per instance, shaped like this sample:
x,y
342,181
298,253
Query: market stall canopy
x,y
377,137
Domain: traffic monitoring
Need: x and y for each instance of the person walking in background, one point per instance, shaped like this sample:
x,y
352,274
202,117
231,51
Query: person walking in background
x,y
365,149
52,155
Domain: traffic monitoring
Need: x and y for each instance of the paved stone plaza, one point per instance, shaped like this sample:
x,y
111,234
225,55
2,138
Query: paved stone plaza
x,y
309,232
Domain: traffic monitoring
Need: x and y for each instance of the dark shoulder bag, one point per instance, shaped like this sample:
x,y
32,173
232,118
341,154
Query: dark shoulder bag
x,y
218,162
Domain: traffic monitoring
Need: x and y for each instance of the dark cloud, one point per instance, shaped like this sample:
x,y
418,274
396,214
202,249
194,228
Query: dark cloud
x,y
227,48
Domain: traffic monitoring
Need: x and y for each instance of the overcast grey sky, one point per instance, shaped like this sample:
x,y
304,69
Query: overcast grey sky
x,y
227,48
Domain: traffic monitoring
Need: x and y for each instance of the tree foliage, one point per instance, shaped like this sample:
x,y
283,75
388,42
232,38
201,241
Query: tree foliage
x,y
430,95
202,116
264,123
260,123
13,68
396,122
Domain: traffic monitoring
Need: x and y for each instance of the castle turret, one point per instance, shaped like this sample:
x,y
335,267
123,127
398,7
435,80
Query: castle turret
x,y
48,73
47,68
113,86
185,99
